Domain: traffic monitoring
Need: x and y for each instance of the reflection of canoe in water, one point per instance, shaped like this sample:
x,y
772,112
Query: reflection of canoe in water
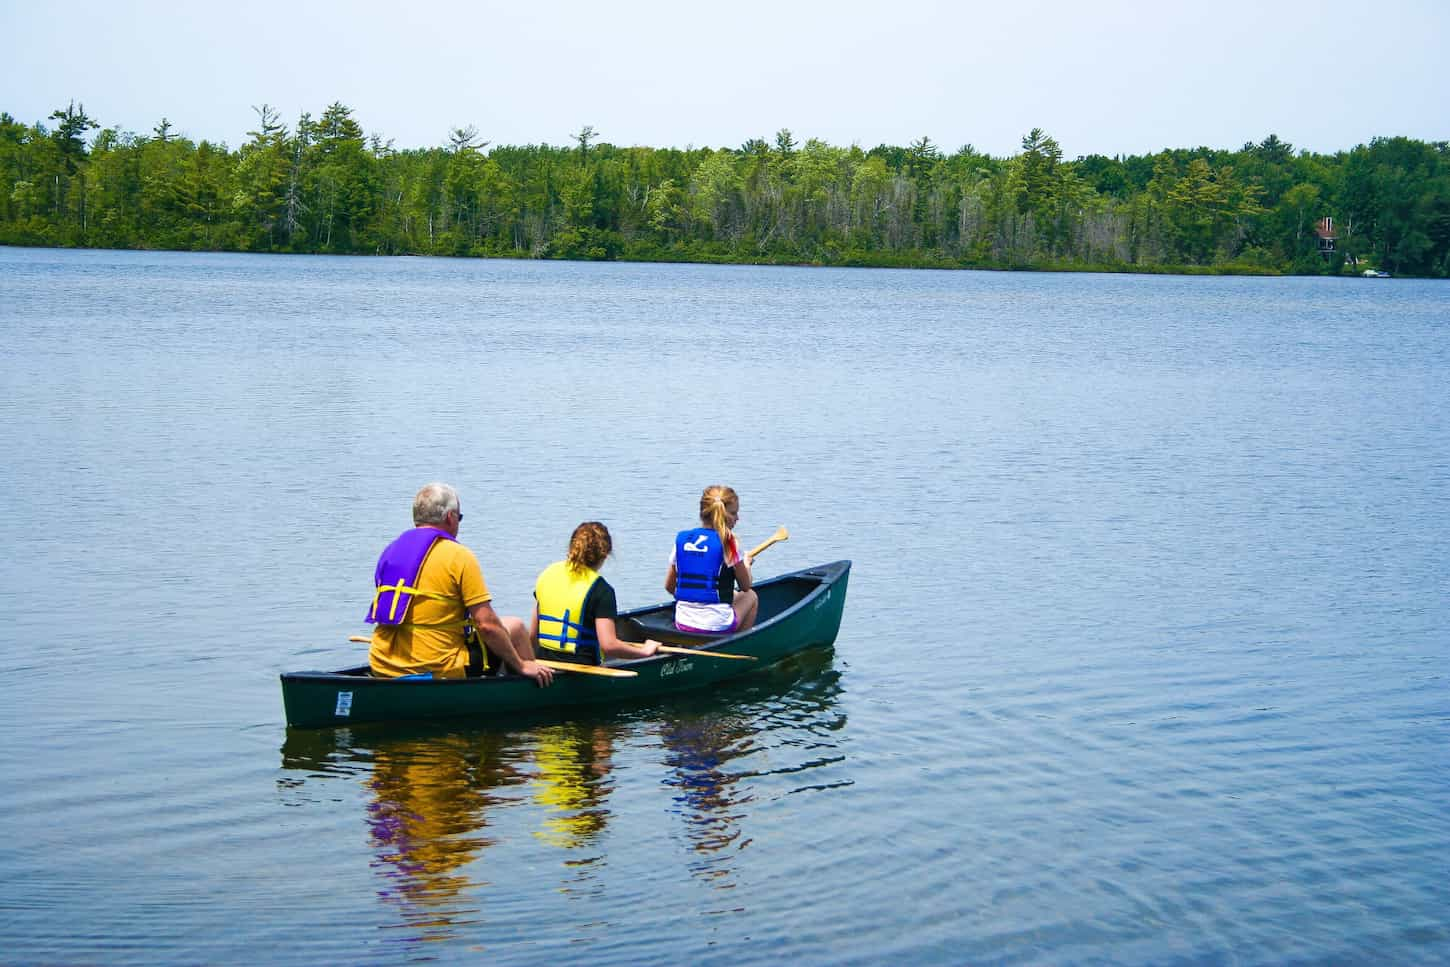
x,y
799,610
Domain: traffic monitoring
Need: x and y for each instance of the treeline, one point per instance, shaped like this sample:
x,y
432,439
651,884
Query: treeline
x,y
322,185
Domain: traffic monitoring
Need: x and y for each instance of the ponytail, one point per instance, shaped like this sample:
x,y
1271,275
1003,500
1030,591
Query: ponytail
x,y
713,504
589,545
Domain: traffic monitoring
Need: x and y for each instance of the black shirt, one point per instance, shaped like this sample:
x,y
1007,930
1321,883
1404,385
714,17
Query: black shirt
x,y
599,603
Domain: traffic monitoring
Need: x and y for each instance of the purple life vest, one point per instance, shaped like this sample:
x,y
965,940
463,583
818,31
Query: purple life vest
x,y
396,575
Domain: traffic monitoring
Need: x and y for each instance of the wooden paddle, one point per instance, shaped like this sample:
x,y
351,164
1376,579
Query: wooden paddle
x,y
675,650
781,534
602,670
559,666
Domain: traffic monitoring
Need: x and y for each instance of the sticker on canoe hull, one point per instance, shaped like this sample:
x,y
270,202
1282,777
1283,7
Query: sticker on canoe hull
x,y
344,705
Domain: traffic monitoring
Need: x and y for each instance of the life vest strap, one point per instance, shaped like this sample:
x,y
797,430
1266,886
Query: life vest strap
x,y
398,591
566,624
566,644
694,580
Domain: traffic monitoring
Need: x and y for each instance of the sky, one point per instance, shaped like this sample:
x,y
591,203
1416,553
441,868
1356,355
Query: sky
x,y
1104,77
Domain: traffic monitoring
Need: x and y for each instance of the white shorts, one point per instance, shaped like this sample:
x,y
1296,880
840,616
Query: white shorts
x,y
704,617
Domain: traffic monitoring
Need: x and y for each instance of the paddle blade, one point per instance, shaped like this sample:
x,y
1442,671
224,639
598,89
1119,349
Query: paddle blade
x,y
781,534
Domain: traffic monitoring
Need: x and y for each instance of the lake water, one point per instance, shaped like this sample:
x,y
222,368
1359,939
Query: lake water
x,y
1146,655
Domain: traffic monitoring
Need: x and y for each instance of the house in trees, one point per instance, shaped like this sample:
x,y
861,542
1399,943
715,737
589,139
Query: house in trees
x,y
1324,228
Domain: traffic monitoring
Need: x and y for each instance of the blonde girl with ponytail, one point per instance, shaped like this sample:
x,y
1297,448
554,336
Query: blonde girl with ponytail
x,y
709,575
575,608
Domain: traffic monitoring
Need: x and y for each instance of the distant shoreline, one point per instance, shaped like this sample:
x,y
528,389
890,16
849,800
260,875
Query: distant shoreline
x,y
323,187
933,265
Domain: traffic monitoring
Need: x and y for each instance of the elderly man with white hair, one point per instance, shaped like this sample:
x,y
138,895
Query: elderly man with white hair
x,y
431,608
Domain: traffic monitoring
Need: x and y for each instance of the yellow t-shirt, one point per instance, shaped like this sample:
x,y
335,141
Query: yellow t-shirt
x,y
430,639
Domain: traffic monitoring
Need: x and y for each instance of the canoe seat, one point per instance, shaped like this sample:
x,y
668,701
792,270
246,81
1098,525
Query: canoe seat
x,y
661,627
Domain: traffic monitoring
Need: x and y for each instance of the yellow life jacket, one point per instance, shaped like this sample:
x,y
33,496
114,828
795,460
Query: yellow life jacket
x,y
560,592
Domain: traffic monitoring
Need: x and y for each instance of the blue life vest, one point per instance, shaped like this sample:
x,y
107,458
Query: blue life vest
x,y
700,573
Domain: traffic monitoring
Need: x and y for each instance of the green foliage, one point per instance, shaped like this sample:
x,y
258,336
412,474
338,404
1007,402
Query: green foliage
x,y
324,185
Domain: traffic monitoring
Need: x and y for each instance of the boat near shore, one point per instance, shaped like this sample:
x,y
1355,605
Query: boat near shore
x,y
798,611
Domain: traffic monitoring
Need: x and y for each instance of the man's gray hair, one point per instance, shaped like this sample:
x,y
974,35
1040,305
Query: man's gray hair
x,y
433,503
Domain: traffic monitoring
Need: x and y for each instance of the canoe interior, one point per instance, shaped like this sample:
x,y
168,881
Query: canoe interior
x,y
658,622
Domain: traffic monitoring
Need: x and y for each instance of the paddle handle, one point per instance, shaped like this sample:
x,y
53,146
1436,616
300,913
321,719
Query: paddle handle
x,y
781,534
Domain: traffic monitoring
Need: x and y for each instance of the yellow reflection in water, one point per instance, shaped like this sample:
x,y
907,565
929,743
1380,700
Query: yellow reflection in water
x,y
428,819
430,792
573,761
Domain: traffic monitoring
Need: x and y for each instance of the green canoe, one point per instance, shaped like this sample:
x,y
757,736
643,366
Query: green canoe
x,y
799,610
